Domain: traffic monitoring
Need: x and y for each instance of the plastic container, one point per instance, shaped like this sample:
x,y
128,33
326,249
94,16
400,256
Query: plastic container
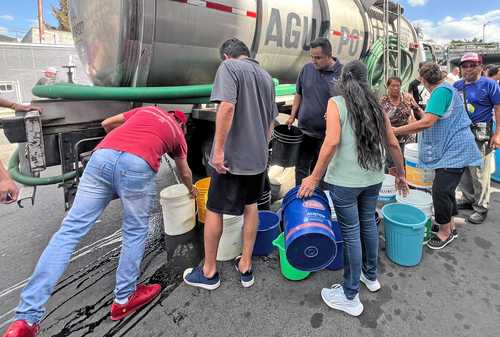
x,y
309,237
264,203
286,145
230,244
423,201
404,232
495,176
268,230
338,261
179,210
388,191
416,176
287,270
202,186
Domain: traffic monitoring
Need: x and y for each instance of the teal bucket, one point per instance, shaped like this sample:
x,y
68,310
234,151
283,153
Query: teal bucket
x,y
404,227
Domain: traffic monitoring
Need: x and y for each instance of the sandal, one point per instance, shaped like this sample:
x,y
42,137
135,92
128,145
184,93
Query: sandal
x,y
436,243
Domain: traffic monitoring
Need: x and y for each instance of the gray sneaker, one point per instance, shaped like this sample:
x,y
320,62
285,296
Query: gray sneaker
x,y
477,218
335,298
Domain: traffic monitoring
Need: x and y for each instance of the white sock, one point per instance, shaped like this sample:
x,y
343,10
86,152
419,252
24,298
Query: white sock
x,y
125,301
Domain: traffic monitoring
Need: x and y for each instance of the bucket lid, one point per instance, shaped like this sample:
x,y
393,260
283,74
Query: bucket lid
x,y
312,251
416,198
174,191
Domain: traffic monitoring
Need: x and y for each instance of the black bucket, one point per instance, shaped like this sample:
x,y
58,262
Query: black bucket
x,y
264,202
286,145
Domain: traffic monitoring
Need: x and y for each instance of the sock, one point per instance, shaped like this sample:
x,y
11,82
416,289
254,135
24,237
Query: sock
x,y
125,301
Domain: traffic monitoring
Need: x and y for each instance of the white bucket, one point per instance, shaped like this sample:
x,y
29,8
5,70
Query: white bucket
x,y
420,199
179,210
416,176
388,190
423,201
230,244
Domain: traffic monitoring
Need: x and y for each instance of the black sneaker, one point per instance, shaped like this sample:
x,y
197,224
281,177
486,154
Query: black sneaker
x,y
436,243
464,205
246,278
477,218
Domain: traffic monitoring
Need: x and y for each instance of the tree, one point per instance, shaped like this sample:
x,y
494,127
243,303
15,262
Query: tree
x,y
61,14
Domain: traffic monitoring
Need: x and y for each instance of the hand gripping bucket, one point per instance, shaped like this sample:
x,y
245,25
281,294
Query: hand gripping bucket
x,y
268,230
309,237
179,210
286,145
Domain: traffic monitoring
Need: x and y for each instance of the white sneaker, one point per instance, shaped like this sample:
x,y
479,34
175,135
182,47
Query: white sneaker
x,y
335,298
372,286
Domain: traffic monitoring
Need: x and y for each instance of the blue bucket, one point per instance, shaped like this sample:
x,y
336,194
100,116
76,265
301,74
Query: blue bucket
x,y
496,175
338,261
268,230
309,237
404,227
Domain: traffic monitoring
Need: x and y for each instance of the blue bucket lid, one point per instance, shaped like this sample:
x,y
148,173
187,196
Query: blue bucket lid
x,y
311,252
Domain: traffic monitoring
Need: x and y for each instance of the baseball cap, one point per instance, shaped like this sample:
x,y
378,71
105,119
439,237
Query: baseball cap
x,y
471,57
179,115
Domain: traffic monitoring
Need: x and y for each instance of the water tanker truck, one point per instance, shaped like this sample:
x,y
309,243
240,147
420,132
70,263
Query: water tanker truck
x,y
167,52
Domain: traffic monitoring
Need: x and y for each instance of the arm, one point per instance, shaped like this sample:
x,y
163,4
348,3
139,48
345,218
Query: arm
x,y
223,122
332,140
426,122
8,189
397,157
17,107
186,175
113,122
297,99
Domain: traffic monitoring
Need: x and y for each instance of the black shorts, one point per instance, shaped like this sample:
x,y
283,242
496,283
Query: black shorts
x,y
443,193
229,193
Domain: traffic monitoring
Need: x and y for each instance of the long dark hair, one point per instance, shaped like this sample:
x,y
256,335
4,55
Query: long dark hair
x,y
365,114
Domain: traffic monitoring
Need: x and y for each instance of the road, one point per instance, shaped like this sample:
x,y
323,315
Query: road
x,y
454,292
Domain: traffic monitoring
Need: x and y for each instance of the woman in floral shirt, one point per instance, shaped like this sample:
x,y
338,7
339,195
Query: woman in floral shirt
x,y
401,109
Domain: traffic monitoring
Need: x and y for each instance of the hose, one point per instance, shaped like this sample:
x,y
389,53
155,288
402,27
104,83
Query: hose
x,y
13,168
137,94
375,63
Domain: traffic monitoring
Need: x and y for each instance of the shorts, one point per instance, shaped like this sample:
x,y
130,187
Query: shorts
x,y
230,193
445,183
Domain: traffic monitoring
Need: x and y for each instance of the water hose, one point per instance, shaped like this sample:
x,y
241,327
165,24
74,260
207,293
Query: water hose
x,y
13,168
187,94
375,63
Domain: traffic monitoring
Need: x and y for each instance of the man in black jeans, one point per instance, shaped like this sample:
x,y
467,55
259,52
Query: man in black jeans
x,y
315,85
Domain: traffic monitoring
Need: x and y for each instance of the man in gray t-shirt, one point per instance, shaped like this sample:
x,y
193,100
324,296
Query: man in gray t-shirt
x,y
246,96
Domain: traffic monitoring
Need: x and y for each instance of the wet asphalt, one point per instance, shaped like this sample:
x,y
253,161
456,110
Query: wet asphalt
x,y
453,292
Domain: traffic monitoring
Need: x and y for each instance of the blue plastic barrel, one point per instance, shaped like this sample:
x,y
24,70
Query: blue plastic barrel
x,y
495,176
309,237
268,230
338,261
404,232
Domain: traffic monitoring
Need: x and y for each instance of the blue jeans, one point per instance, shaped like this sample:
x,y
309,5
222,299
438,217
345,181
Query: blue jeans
x,y
355,208
107,174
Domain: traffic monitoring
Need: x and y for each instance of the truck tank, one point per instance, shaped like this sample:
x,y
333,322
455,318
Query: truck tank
x,y
176,42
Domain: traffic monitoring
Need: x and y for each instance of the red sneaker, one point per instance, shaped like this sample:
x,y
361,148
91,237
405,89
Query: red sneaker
x,y
21,328
142,296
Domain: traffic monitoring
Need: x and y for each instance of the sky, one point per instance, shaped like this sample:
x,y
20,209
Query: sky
x,y
441,20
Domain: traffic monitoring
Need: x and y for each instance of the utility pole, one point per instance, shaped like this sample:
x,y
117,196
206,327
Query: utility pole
x,y
484,26
41,24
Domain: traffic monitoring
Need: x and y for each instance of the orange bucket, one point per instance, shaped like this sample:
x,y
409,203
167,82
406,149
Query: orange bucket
x,y
202,186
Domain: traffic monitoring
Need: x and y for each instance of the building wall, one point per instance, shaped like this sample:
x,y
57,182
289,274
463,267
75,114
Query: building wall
x,y
50,36
22,65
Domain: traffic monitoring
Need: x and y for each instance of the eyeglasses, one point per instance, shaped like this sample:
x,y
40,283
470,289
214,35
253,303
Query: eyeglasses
x,y
318,57
469,66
